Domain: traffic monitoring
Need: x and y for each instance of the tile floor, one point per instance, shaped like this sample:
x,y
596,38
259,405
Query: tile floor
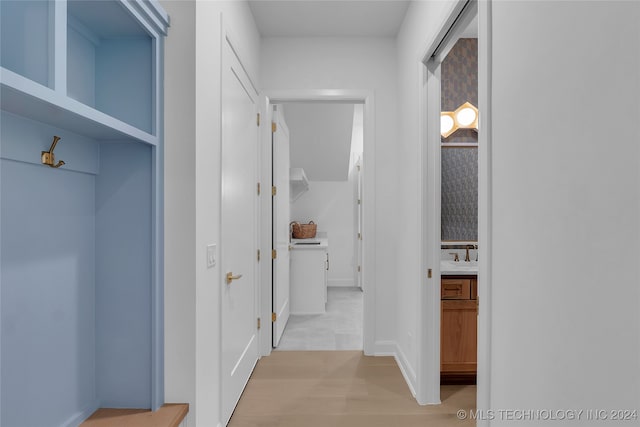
x,y
340,328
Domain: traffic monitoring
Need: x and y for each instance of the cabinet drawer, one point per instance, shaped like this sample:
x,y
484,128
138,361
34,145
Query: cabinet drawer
x,y
456,289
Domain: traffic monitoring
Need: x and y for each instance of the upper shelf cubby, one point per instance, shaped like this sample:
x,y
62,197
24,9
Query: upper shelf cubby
x,y
110,62
26,34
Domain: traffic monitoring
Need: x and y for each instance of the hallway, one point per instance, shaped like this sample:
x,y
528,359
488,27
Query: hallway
x,y
340,388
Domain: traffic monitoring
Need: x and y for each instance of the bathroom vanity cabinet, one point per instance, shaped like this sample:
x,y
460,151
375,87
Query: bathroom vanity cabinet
x,y
81,238
459,329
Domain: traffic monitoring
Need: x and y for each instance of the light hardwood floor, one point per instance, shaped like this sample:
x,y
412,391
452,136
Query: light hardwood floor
x,y
340,389
169,415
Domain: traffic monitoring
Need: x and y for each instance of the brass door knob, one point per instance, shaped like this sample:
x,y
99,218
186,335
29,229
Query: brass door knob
x,y
231,277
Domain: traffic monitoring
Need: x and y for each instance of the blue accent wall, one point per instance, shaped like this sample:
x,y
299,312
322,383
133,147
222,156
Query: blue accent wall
x,y
80,246
75,276
123,68
24,38
123,271
47,267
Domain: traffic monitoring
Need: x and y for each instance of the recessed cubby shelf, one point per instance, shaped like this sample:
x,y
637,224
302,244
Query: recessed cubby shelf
x,y
81,261
26,36
109,61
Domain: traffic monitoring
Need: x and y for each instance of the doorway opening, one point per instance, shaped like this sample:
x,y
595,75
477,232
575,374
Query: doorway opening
x,y
329,181
317,151
455,293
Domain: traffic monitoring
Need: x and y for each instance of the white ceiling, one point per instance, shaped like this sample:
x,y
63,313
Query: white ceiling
x,y
320,139
329,18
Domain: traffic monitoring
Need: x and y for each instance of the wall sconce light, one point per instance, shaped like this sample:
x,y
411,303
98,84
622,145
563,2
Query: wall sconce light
x,y
464,117
447,124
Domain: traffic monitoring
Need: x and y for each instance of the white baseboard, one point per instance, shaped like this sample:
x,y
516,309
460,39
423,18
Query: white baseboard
x,y
384,348
341,283
391,348
408,372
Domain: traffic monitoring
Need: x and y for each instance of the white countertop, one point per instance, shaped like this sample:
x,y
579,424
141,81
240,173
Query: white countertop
x,y
321,241
449,267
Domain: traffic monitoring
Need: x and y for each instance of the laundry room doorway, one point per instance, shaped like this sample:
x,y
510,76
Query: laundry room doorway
x,y
327,279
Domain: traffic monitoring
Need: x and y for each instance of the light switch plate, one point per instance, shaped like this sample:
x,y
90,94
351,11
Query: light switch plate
x,y
211,256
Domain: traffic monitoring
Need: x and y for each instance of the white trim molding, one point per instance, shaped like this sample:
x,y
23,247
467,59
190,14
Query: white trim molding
x,y
368,199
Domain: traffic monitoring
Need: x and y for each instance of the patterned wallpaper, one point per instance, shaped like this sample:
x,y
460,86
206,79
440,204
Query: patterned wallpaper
x,y
459,194
460,83
460,165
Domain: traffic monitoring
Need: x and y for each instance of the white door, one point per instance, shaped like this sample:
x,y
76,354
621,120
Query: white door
x,y
239,242
281,219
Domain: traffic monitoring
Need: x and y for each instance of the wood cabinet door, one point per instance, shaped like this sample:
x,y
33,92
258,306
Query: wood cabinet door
x,y
456,288
458,340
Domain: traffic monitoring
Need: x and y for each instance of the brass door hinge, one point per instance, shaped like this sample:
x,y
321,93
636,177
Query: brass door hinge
x,y
258,255
258,120
274,127
274,317
274,254
359,236
358,167
274,190
429,273
359,201
258,189
359,269
258,323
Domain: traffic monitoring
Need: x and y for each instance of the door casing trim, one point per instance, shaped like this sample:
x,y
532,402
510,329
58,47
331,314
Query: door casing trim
x,y
270,97
428,327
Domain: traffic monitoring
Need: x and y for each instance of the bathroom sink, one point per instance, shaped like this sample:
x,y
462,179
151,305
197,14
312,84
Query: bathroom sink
x,y
453,267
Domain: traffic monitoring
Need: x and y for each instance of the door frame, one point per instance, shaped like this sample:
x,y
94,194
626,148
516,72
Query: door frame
x,y
276,149
271,97
428,391
228,41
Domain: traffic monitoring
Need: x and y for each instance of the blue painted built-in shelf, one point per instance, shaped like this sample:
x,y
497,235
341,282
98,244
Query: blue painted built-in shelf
x,y
81,246
24,97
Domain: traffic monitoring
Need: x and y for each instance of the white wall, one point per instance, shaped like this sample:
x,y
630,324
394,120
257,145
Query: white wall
x,y
363,64
330,204
180,205
565,303
320,139
565,195
195,312
421,22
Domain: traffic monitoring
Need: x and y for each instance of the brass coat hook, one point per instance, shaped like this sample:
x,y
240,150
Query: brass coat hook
x,y
47,156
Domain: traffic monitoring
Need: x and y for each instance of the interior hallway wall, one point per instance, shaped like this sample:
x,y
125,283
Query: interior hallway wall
x,y
421,22
192,183
565,306
564,194
364,64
